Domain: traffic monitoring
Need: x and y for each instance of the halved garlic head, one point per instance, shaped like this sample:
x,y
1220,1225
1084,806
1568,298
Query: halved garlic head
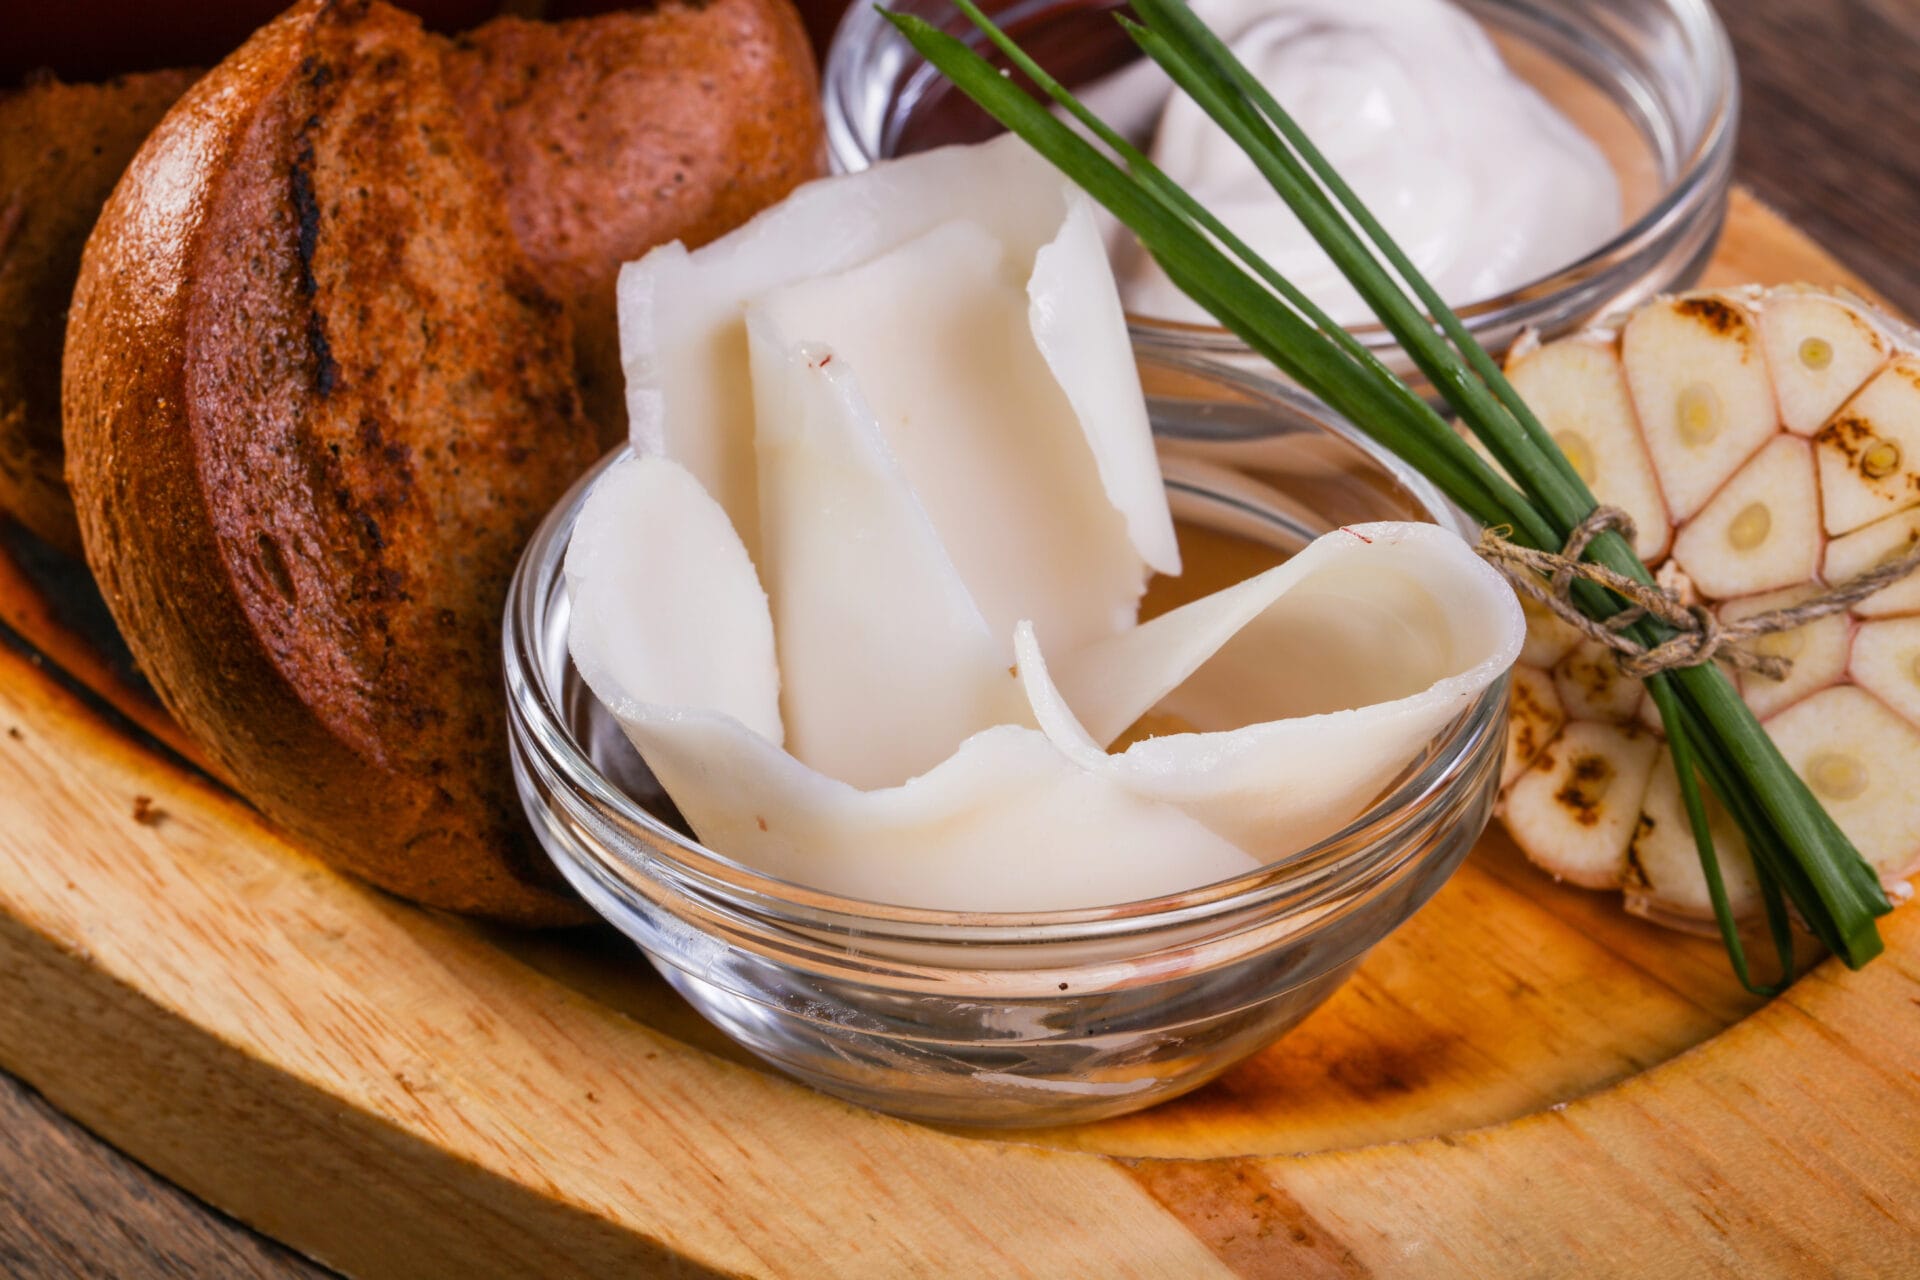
x,y
1780,431
866,600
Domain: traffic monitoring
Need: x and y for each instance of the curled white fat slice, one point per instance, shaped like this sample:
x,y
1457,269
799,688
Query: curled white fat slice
x,y
1072,326
666,607
888,664
984,433
1007,823
1335,670
685,350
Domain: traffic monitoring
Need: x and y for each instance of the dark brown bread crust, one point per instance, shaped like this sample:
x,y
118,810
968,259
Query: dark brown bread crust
x,y
612,133
620,132
62,147
315,404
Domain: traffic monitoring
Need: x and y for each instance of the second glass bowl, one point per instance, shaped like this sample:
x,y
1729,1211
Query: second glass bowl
x,y
985,1019
1652,81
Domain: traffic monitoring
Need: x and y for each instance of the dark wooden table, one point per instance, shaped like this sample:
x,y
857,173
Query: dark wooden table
x,y
1831,137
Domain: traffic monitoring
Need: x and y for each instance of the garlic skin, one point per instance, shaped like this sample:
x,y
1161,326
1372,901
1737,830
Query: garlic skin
x,y
862,537
1755,415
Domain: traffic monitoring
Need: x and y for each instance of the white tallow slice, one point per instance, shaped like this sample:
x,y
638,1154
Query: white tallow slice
x,y
1338,667
984,431
667,609
887,661
1007,823
1017,819
685,348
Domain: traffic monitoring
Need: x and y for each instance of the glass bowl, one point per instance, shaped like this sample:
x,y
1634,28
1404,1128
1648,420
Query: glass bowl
x,y
1653,82
1000,1019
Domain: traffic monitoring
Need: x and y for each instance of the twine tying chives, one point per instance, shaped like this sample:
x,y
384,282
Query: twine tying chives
x,y
1699,637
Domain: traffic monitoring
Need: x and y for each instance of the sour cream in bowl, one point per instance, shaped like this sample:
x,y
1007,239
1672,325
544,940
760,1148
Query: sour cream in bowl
x,y
1483,172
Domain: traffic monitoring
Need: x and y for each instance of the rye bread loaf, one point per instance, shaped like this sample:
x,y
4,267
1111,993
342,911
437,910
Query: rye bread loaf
x,y
320,386
315,402
62,147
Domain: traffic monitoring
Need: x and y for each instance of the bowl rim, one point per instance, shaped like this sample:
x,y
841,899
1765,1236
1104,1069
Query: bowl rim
x,y
1357,852
1696,188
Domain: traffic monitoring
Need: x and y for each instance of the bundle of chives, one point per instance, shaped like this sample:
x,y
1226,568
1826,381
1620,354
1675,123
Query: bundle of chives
x,y
1800,855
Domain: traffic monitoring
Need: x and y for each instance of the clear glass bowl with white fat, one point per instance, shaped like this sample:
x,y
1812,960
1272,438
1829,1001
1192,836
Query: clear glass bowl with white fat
x,y
1003,1019
1651,82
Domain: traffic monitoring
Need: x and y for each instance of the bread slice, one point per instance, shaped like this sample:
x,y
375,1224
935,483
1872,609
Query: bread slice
x,y
62,147
620,132
316,401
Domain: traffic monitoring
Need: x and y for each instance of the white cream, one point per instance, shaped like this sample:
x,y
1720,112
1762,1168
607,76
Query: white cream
x,y
1484,184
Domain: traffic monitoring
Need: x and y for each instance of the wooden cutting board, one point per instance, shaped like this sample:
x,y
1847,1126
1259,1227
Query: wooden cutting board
x,y
1522,1080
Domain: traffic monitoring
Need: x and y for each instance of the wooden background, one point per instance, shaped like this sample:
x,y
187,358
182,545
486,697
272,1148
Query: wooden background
x,y
1832,88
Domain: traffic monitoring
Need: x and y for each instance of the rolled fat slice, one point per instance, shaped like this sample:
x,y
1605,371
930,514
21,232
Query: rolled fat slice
x,y
1005,824
1073,326
684,347
983,431
666,608
888,664
1337,668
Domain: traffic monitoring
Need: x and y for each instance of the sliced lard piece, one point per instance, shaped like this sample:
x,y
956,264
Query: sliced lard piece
x,y
685,349
887,664
667,608
672,632
984,434
1007,823
1337,668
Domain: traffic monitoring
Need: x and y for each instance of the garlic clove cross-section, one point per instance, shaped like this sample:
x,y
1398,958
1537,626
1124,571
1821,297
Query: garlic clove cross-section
x,y
1575,811
1761,532
1886,663
1700,390
1665,879
1534,718
1869,451
1590,687
1860,760
1853,554
1580,387
1820,349
1817,650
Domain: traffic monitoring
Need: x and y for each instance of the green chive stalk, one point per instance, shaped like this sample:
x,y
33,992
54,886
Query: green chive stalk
x,y
1800,855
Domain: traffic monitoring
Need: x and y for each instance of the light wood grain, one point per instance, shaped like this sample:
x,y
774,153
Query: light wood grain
x,y
1522,1079
393,1096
